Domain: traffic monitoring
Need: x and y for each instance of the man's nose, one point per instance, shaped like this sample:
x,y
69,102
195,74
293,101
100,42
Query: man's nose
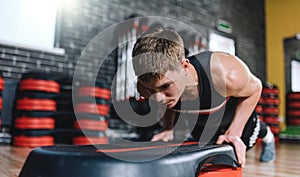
x,y
158,97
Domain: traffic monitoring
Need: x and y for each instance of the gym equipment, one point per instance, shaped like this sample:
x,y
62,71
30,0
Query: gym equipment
x,y
101,109
97,92
36,104
293,107
1,83
0,103
92,107
43,111
34,123
84,140
126,160
40,85
86,124
51,137
268,107
26,141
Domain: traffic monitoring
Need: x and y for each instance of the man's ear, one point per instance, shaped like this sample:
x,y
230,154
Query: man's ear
x,y
185,63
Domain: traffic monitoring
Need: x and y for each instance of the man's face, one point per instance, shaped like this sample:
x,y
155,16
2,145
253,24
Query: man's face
x,y
167,90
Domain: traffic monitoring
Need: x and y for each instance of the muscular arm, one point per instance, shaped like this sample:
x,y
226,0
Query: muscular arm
x,y
167,133
237,81
168,119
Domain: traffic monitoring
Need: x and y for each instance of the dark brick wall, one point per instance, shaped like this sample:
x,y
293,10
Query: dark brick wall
x,y
81,22
15,60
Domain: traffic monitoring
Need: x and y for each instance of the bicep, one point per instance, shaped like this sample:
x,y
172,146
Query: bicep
x,y
244,85
235,76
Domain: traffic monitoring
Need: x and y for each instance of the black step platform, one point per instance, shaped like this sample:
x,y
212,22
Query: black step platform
x,y
148,159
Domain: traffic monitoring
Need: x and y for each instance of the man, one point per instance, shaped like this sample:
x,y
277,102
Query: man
x,y
217,87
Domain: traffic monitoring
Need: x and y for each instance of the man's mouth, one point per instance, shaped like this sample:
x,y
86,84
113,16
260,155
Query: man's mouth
x,y
169,103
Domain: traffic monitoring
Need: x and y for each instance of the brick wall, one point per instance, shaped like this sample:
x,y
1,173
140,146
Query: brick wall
x,y
83,20
16,59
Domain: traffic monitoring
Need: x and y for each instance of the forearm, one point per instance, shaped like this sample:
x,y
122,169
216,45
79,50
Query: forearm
x,y
243,111
168,119
167,133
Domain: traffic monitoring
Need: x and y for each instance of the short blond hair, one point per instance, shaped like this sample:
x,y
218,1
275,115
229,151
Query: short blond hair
x,y
156,52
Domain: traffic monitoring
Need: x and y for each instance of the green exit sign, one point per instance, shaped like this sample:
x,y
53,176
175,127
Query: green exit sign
x,y
224,26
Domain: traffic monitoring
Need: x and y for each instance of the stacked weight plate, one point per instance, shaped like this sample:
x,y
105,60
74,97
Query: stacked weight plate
x,y
292,133
39,110
65,114
270,105
1,89
293,108
92,113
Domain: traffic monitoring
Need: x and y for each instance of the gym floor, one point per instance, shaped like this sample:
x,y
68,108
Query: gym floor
x,y
287,161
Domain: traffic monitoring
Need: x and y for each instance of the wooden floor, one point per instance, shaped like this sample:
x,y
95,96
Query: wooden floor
x,y
286,164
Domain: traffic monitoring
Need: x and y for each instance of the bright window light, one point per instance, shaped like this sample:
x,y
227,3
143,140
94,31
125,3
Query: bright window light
x,y
295,73
221,43
28,22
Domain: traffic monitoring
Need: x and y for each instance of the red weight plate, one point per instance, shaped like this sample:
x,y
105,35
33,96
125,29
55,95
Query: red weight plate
x,y
294,113
294,121
1,83
294,96
40,85
94,92
261,100
36,104
86,124
274,91
34,123
271,120
81,140
271,110
91,108
275,129
294,104
259,109
272,101
26,141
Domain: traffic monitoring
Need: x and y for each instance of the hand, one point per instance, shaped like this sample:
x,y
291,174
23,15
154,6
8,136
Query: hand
x,y
239,146
165,136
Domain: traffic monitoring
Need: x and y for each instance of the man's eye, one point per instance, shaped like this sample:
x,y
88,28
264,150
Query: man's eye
x,y
151,91
164,87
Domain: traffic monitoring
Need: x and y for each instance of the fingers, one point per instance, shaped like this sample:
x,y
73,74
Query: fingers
x,y
164,136
221,139
238,144
240,150
168,137
157,137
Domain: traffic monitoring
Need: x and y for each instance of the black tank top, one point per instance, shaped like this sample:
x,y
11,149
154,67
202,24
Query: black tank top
x,y
213,123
